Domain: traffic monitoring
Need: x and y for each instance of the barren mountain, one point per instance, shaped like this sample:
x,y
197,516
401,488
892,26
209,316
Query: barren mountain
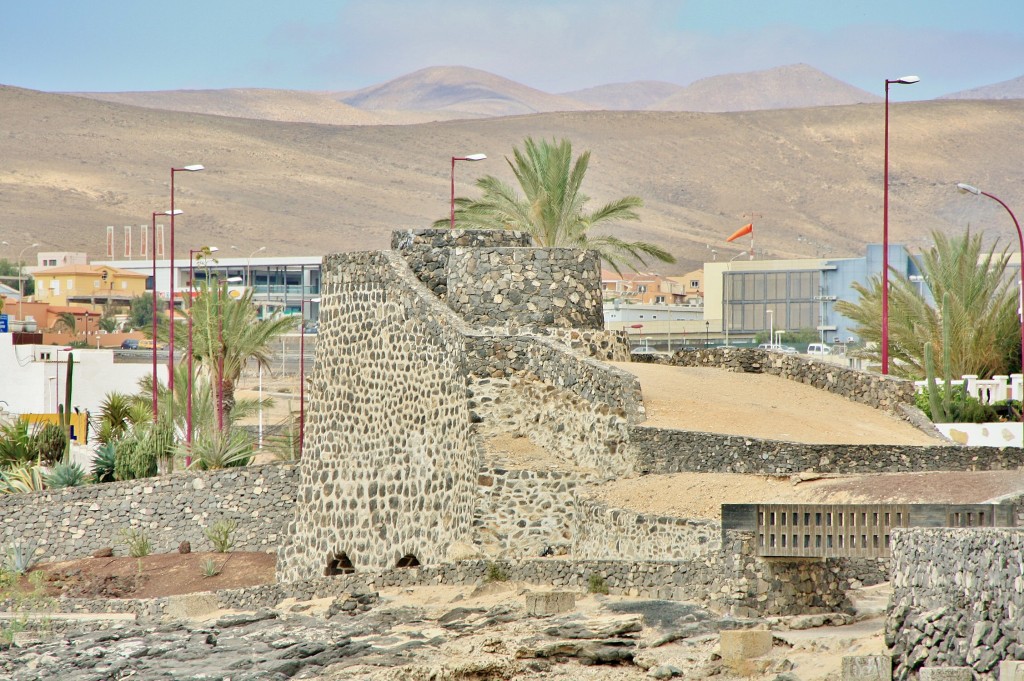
x,y
458,89
785,87
269,105
813,177
636,96
1008,89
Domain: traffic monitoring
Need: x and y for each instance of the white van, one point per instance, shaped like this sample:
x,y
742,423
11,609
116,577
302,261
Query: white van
x,y
818,349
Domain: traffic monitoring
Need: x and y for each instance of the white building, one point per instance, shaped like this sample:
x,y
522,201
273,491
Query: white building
x,y
32,377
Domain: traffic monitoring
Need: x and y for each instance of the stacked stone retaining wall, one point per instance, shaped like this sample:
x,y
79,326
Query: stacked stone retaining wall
x,y
881,392
522,514
957,600
660,450
74,522
602,532
526,288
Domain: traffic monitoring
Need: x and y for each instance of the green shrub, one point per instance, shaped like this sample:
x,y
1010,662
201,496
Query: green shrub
x,y
963,408
220,535
495,573
137,542
597,585
22,479
65,475
17,445
51,443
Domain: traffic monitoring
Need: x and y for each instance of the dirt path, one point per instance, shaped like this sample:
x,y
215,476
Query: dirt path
x,y
762,406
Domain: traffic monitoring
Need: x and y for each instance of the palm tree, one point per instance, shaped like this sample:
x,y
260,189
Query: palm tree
x,y
228,329
67,320
984,329
552,208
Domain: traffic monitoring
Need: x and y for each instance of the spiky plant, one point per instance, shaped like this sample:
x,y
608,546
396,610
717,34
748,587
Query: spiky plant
x,y
65,475
22,479
103,464
222,449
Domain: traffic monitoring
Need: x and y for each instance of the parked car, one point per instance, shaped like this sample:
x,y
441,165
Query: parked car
x,y
818,349
130,344
147,344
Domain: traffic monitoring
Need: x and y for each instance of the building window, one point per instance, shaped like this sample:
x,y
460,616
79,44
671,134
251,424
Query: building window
x,y
71,284
694,283
659,299
124,284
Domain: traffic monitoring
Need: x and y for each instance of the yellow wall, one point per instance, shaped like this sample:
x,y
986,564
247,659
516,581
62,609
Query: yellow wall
x,y
85,284
79,424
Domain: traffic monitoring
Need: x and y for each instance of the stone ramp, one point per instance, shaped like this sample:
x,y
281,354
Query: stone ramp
x,y
763,406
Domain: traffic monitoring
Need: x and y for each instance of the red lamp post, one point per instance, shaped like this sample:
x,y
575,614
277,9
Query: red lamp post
x,y
1020,240
205,251
166,212
905,80
471,157
170,343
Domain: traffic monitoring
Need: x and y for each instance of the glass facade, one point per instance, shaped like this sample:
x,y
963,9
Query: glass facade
x,y
792,297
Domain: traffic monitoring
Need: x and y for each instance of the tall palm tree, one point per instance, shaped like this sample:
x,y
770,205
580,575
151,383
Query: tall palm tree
x,y
228,329
67,320
552,207
984,329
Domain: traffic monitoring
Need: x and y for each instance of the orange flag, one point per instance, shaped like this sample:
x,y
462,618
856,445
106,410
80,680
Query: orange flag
x,y
745,229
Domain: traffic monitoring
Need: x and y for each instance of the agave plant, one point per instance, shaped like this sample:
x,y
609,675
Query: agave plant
x,y
22,479
221,449
19,557
17,445
65,475
103,464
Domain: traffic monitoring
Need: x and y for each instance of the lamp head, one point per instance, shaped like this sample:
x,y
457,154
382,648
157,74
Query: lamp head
x,y
905,80
970,189
211,249
192,169
476,157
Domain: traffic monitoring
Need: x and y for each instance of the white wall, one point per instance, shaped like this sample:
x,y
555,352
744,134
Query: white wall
x,y
32,376
1006,434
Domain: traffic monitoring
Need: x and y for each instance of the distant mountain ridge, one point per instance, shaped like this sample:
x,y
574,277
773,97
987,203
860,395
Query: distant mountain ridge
x,y
440,93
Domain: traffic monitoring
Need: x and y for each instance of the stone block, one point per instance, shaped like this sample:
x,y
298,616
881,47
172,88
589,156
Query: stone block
x,y
867,668
539,603
945,674
744,644
1011,670
191,606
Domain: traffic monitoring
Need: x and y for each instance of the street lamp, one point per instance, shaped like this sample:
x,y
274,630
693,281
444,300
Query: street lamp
x,y
707,334
248,263
471,157
771,327
206,251
171,213
170,343
302,371
1020,240
905,80
21,278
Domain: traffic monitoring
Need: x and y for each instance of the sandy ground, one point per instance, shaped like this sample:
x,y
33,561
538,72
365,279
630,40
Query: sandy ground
x,y
762,406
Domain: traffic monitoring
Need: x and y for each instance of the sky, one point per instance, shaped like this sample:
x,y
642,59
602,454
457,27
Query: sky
x,y
551,45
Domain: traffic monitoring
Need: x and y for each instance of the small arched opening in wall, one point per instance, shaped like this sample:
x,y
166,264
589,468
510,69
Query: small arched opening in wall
x,y
339,564
408,561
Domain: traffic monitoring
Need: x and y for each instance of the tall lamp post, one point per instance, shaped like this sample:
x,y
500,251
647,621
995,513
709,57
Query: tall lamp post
x,y
471,157
206,251
1020,240
170,342
302,372
21,278
707,335
166,212
248,264
905,80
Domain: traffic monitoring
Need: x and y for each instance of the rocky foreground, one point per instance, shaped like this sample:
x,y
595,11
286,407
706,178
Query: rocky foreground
x,y
496,631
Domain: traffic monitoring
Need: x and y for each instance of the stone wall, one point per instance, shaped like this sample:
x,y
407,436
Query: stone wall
x,y
75,522
606,346
390,469
521,513
658,450
426,250
882,392
526,288
958,599
603,532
